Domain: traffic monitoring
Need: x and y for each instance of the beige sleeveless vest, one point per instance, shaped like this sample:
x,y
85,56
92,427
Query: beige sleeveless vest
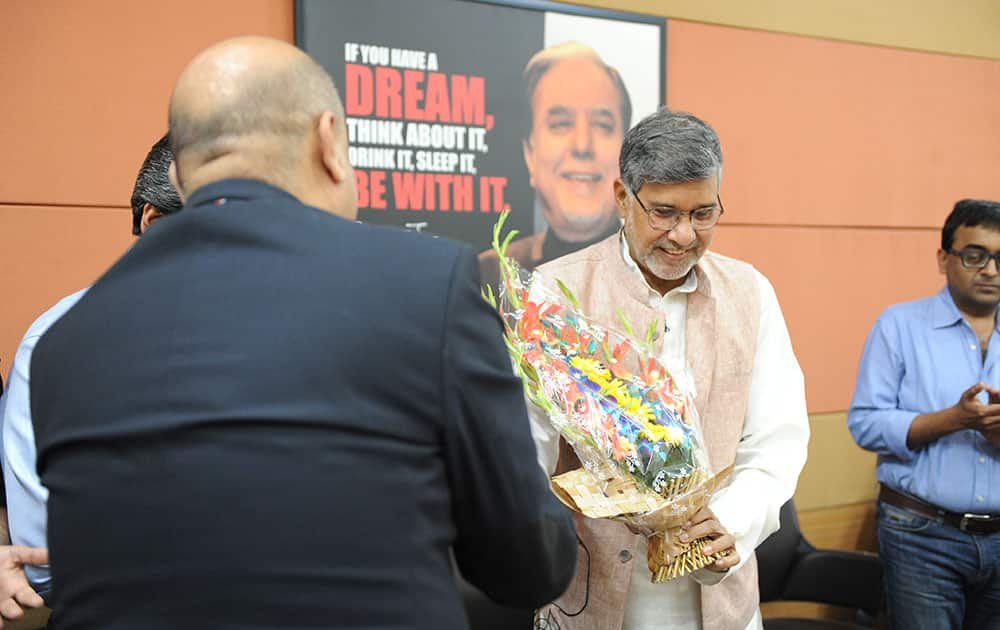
x,y
723,316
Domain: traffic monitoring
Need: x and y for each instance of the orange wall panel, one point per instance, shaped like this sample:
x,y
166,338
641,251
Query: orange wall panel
x,y
832,151
47,253
968,27
816,132
87,86
832,284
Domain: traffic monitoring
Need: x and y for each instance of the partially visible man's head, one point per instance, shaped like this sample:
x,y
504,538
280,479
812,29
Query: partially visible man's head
x,y
969,238
257,108
579,111
153,195
970,213
670,163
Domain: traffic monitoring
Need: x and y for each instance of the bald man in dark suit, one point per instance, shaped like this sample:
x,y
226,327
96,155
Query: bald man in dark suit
x,y
267,415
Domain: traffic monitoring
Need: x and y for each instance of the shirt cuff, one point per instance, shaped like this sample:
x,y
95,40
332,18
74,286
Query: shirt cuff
x,y
895,429
39,579
546,438
736,517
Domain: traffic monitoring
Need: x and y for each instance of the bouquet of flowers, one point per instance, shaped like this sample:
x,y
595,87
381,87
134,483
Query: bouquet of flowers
x,y
631,423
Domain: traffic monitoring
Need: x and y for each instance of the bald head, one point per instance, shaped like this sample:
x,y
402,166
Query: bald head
x,y
257,108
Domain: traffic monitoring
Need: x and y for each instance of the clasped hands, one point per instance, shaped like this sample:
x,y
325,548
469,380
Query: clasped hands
x,y
704,524
979,417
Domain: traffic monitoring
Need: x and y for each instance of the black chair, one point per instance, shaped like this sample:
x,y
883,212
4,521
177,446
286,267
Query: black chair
x,y
791,569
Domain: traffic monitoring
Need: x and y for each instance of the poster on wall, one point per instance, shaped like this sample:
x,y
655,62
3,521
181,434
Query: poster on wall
x,y
457,110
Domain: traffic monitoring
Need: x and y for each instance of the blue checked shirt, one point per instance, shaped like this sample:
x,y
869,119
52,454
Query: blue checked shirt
x,y
919,358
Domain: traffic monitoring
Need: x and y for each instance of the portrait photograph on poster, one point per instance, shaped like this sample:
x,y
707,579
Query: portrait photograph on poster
x,y
457,110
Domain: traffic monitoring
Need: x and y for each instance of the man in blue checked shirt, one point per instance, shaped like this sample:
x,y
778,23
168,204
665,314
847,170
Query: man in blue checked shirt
x,y
927,400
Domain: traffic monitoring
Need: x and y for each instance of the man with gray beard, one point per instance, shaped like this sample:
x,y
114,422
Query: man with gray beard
x,y
718,319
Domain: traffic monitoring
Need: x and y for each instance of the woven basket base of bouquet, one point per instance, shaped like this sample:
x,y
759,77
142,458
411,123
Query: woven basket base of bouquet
x,y
683,558
593,497
624,500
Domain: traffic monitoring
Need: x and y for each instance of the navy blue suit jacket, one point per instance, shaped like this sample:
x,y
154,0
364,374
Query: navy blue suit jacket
x,y
265,416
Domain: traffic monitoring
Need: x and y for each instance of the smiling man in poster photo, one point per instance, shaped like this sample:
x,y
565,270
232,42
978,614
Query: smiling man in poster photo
x,y
578,111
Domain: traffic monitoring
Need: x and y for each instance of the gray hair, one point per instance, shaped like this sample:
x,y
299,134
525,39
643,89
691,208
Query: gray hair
x,y
668,148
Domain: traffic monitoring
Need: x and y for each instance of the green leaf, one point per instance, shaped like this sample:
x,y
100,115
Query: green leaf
x,y
539,399
497,229
506,241
569,294
651,333
607,353
508,268
624,321
487,292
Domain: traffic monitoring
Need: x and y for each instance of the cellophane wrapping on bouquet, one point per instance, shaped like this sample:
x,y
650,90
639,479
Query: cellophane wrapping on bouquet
x,y
631,422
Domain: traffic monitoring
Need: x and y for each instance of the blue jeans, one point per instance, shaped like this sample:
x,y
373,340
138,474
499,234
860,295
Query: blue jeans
x,y
937,577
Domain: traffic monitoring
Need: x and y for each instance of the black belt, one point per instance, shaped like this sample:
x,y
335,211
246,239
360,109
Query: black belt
x,y
971,523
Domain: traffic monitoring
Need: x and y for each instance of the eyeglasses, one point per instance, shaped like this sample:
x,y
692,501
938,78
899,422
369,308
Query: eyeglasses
x,y
976,258
666,219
